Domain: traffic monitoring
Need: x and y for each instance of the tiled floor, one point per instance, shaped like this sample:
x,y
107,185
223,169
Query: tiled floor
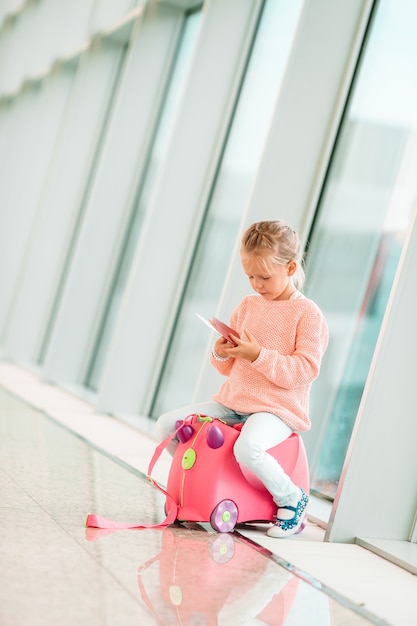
x,y
55,571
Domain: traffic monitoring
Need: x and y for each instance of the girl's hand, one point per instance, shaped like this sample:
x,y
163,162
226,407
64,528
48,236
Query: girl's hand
x,y
248,349
219,347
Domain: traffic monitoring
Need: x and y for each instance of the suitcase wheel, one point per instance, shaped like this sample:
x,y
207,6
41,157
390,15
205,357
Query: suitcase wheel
x,y
224,516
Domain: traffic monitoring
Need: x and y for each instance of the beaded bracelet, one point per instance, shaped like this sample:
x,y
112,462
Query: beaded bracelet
x,y
218,357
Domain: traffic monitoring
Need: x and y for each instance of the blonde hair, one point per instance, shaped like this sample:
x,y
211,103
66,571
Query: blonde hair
x,y
279,241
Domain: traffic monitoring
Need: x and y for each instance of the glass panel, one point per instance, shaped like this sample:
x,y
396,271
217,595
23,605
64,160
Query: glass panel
x,y
230,196
156,159
363,218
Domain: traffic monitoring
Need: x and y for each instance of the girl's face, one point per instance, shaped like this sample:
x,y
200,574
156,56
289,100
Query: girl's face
x,y
270,280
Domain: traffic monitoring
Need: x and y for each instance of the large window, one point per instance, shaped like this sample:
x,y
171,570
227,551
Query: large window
x,y
229,198
363,217
157,156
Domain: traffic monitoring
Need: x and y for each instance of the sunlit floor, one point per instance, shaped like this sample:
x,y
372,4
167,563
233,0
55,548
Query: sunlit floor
x,y
55,571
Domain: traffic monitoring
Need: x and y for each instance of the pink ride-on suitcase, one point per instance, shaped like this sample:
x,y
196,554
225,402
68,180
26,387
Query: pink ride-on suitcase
x,y
208,485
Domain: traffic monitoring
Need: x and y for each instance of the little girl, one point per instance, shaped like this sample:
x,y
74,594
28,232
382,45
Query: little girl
x,y
283,336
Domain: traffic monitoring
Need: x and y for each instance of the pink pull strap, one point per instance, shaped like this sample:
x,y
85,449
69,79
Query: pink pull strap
x,y
96,521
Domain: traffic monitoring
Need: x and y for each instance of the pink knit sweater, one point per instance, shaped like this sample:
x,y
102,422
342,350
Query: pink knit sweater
x,y
293,334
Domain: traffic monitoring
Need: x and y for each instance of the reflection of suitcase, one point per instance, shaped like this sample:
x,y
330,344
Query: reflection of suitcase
x,y
202,578
208,485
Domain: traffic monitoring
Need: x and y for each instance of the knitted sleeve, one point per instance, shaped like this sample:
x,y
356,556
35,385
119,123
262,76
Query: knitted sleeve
x,y
302,365
223,367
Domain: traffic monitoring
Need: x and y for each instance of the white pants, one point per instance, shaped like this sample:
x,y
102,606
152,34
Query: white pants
x,y
260,432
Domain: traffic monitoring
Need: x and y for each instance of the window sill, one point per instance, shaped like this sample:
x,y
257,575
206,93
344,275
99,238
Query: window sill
x,y
401,553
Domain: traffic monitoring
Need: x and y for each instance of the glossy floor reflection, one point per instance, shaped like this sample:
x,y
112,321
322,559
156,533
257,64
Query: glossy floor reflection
x,y
55,571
